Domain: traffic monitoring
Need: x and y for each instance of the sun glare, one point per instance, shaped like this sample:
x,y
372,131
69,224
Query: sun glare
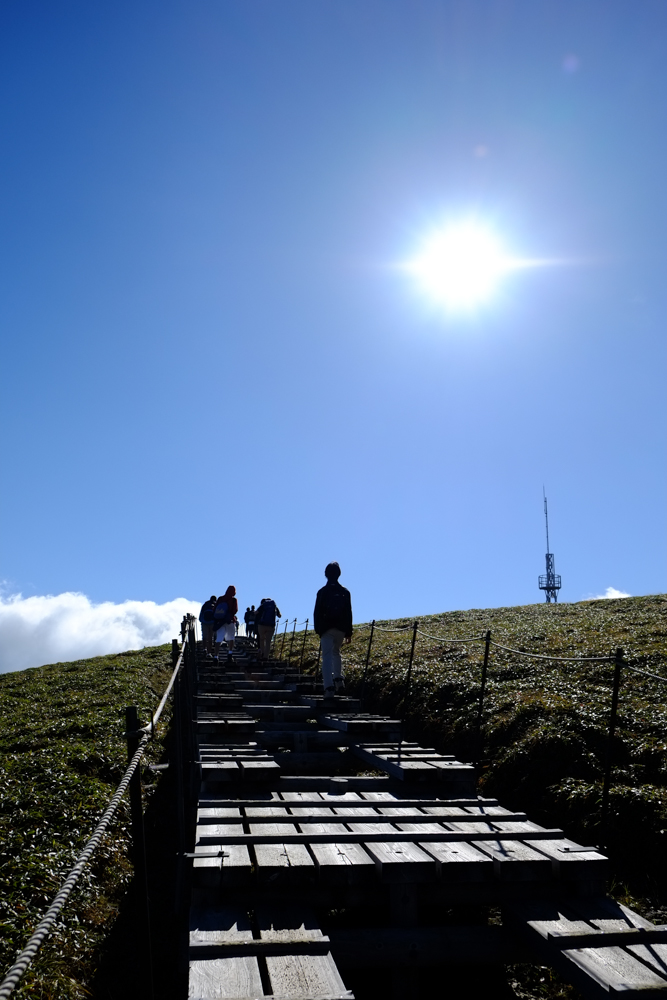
x,y
461,266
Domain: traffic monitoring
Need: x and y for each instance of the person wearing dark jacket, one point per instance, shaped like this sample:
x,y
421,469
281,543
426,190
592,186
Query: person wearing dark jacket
x,y
249,619
206,619
265,625
224,619
333,624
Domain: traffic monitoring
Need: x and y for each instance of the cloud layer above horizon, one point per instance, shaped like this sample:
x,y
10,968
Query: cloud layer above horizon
x,y
39,630
610,594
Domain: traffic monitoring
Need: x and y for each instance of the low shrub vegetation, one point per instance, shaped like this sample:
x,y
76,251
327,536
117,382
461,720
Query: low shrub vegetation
x,y
62,755
541,747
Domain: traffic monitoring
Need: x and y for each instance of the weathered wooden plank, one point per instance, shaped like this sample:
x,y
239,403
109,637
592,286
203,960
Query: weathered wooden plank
x,y
459,861
209,833
338,863
489,807
280,859
235,978
306,977
259,770
221,977
298,975
222,770
514,861
317,797
361,725
597,970
569,861
212,815
229,866
213,924
401,862
343,864
370,836
415,770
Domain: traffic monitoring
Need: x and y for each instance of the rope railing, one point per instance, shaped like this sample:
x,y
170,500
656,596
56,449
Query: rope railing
x,y
617,658
447,640
646,673
46,924
561,659
378,628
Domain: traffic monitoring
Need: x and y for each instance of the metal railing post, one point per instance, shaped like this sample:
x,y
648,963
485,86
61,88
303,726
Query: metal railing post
x,y
303,645
482,690
368,657
291,644
138,838
282,645
618,664
406,697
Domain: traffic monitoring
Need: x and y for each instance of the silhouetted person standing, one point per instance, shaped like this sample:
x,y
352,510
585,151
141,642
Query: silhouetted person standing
x,y
265,625
224,619
206,619
249,619
333,624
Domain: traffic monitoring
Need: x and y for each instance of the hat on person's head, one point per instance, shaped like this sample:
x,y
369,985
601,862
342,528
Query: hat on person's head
x,y
213,597
332,571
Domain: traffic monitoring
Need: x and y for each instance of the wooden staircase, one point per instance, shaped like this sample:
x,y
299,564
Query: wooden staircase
x,y
283,844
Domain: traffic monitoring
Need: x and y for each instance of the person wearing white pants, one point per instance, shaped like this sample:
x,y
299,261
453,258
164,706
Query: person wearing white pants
x,y
226,633
333,624
332,665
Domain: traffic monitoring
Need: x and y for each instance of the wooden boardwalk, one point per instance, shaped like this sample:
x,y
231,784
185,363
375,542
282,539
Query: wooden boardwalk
x,y
410,855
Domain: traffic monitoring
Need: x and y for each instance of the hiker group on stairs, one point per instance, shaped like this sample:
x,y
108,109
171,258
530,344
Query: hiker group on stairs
x,y
332,618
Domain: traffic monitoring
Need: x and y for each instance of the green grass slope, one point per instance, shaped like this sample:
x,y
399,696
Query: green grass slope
x,y
543,745
62,753
545,724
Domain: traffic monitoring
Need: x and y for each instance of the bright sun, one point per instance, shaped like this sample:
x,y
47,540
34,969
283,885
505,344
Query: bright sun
x,y
461,266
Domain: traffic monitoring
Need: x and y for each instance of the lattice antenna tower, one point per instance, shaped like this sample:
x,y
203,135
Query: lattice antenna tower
x,y
550,581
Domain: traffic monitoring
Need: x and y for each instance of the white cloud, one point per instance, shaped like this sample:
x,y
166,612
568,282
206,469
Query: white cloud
x,y
610,593
39,630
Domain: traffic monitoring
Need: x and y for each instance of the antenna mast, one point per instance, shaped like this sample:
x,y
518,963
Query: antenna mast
x,y
550,581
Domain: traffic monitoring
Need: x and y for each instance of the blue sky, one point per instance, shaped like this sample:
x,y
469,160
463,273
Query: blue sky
x,y
214,371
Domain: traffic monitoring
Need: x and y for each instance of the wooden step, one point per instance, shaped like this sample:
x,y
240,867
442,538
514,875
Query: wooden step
x,y
411,763
361,723
342,703
225,951
597,944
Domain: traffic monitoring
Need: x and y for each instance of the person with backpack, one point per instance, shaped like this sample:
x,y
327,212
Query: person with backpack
x,y
333,623
206,620
224,619
265,625
249,619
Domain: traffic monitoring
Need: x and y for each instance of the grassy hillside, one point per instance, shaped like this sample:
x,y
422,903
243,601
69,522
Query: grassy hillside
x,y
543,745
544,732
62,754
